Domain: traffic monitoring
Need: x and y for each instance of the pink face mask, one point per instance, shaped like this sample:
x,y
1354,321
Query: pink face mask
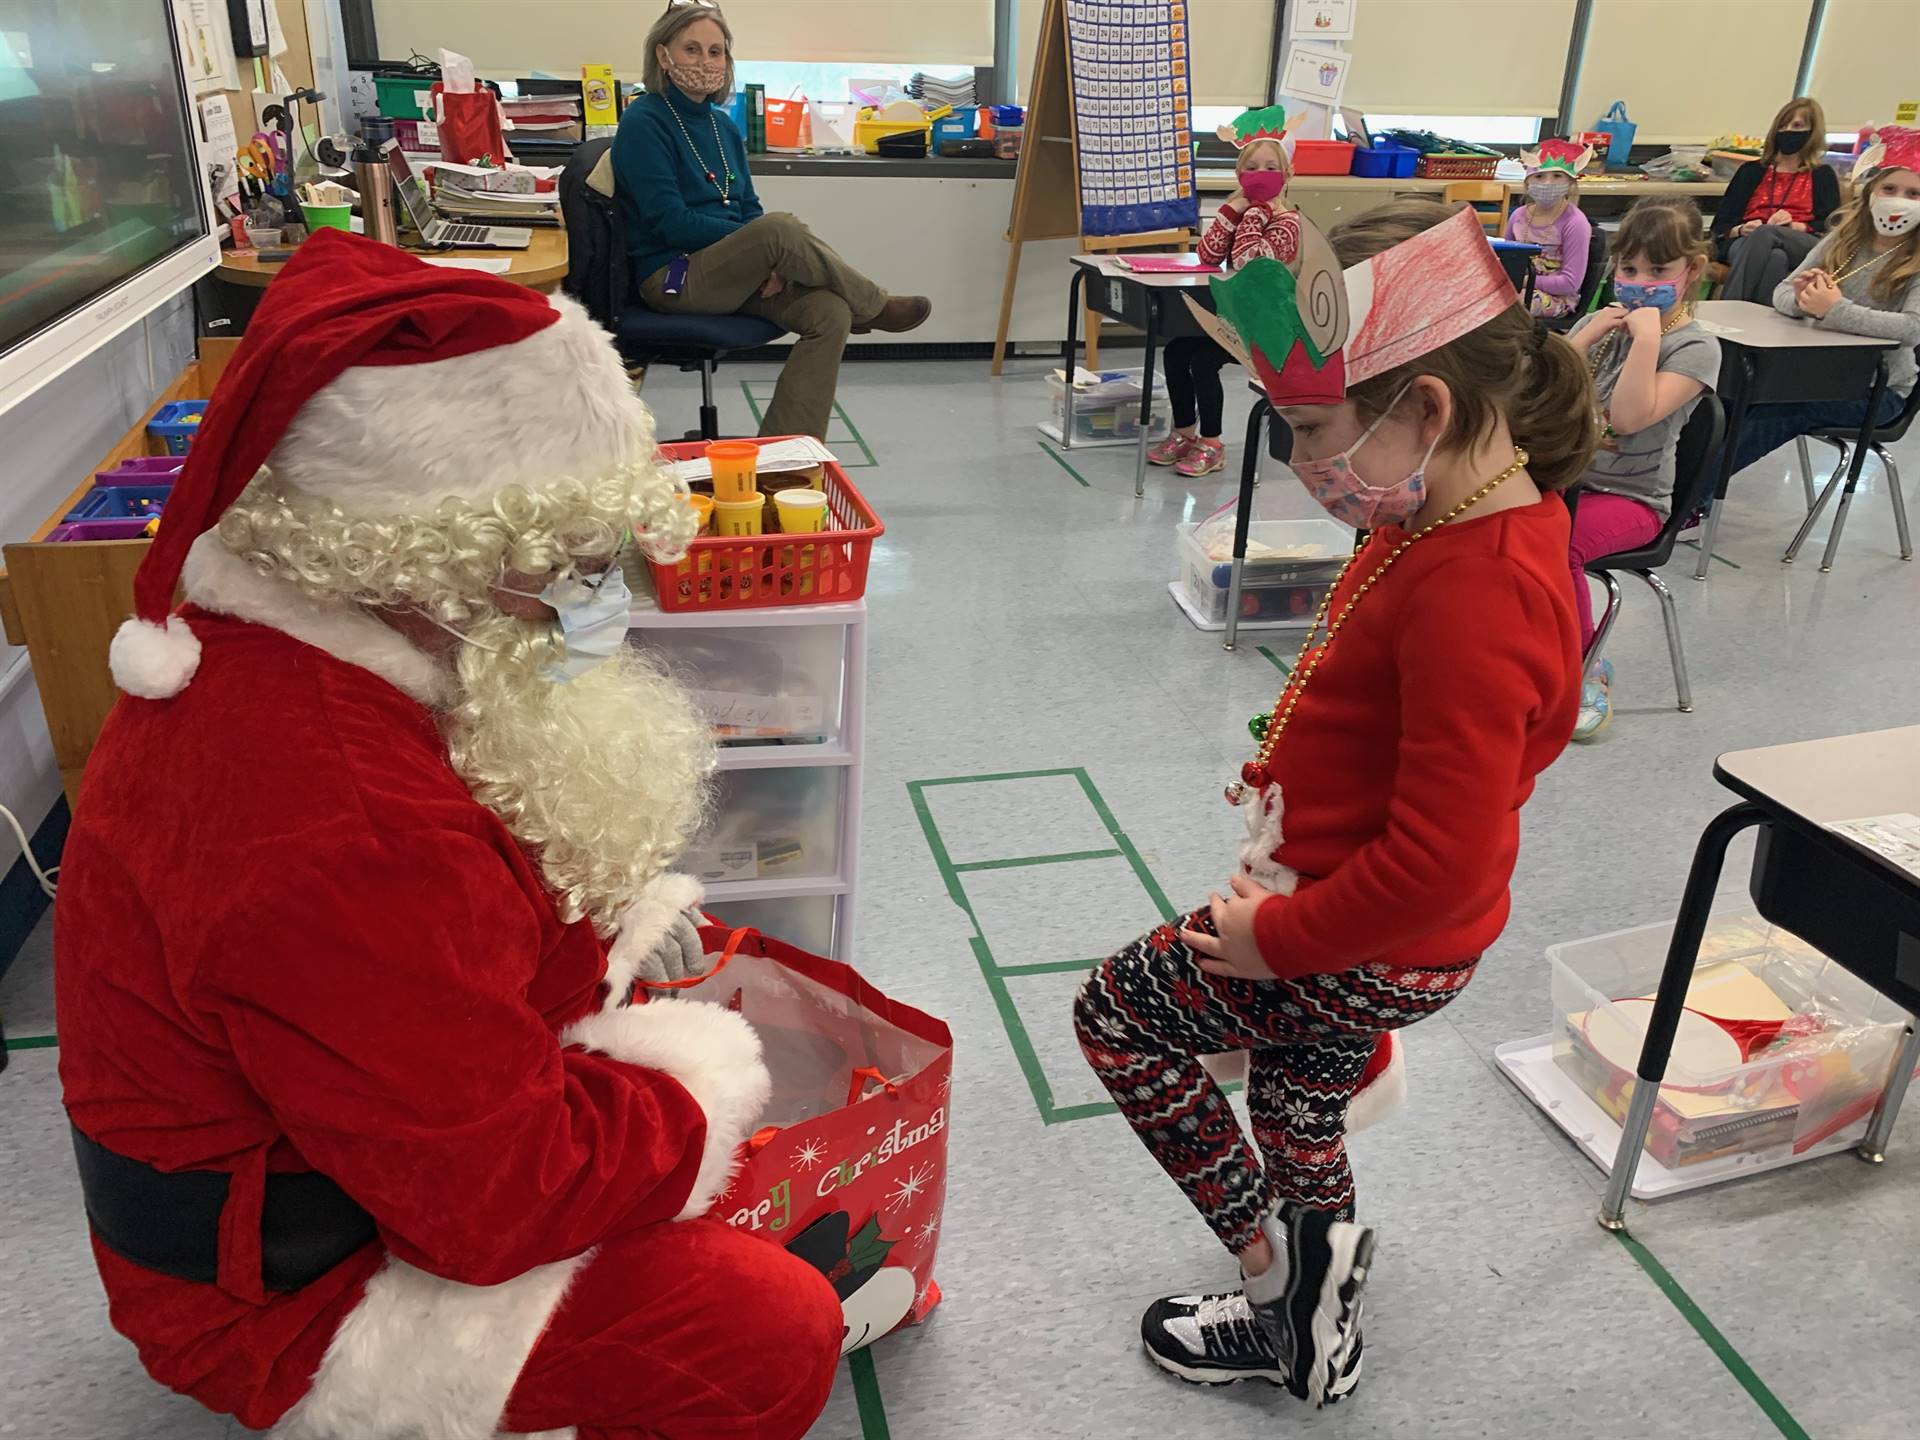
x,y
1343,494
1262,186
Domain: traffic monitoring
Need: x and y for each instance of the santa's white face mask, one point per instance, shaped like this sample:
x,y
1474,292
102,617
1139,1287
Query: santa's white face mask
x,y
592,617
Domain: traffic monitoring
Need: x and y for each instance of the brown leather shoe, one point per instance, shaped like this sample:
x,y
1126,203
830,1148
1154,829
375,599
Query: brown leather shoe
x,y
900,313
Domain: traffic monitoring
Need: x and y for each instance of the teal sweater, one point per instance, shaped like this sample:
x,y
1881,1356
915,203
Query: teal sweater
x,y
668,205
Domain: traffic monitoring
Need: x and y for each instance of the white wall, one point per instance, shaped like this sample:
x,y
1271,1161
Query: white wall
x,y
49,440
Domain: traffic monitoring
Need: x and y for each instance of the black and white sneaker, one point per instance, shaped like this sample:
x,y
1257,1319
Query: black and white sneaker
x,y
1309,1302
1216,1340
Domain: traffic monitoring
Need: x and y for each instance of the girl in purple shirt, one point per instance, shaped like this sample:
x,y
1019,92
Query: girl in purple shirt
x,y
1552,220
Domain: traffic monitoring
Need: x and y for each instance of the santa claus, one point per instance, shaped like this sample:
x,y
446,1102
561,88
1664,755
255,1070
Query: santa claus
x,y
366,866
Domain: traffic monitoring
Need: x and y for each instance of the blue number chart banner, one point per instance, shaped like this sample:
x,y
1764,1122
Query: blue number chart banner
x,y
1133,115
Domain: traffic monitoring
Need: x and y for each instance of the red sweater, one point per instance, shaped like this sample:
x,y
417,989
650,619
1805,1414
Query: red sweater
x,y
1453,684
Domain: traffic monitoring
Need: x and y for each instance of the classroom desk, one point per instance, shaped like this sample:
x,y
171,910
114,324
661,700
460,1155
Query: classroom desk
x,y
541,266
1859,908
1150,303
1767,356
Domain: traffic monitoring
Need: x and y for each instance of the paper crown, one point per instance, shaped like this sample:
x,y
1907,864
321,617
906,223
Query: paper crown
x,y
1252,126
1895,147
1561,155
1309,331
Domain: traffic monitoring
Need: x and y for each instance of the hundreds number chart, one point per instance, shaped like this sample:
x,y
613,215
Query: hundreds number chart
x,y
1132,115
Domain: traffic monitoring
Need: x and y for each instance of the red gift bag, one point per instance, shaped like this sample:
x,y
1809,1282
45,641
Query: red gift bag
x,y
849,1171
470,128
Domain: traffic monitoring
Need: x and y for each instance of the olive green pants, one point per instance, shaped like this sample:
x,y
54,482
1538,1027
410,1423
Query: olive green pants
x,y
822,299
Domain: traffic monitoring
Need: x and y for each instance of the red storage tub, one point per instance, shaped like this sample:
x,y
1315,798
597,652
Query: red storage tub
x,y
1322,157
764,572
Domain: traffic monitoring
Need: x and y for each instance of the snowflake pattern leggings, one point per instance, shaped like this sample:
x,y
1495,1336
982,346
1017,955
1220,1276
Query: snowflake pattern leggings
x,y
1146,1016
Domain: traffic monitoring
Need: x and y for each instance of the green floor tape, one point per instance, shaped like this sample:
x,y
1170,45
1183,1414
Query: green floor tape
x,y
852,437
1737,1367
1061,461
32,1042
1283,666
866,1393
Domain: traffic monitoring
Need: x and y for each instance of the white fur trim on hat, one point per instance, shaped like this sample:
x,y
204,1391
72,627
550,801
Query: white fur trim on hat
x,y
396,439
711,1051
152,661
1386,1096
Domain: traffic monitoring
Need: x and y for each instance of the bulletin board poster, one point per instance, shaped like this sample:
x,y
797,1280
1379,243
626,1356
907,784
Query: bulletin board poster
x,y
1133,115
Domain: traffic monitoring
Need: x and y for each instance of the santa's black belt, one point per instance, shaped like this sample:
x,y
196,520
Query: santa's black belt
x,y
170,1223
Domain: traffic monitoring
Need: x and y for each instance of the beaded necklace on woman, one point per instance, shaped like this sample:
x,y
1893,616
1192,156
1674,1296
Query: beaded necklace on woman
x,y
724,186
1268,728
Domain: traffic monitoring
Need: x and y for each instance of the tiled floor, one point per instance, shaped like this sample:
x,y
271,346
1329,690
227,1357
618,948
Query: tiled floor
x,y
1021,623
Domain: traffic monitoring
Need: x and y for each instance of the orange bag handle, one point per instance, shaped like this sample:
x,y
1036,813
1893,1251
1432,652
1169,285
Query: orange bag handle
x,y
727,952
862,1073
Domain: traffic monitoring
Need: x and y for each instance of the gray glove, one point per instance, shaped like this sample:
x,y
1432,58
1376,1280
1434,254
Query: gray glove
x,y
678,955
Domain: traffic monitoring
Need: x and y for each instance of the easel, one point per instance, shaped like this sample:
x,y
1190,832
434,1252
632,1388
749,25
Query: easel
x,y
1046,188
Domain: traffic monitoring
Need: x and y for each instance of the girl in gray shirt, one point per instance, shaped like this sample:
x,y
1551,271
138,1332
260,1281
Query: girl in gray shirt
x,y
1864,278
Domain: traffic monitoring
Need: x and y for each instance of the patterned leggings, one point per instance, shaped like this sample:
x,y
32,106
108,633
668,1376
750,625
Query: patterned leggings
x,y
1146,1016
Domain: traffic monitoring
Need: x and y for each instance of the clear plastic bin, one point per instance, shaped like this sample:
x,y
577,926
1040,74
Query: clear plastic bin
x,y
766,685
1106,408
772,825
1781,1051
802,920
1290,564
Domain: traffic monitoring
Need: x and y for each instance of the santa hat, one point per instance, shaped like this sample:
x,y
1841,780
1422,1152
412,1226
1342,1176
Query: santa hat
x,y
1561,157
1270,122
1895,147
1309,331
373,379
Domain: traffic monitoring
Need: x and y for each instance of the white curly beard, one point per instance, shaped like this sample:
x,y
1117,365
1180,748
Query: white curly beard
x,y
602,778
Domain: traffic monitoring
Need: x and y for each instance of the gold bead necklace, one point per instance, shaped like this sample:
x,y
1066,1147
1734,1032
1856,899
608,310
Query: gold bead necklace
x,y
1254,774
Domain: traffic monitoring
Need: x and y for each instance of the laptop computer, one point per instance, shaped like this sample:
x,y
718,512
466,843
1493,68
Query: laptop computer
x,y
435,231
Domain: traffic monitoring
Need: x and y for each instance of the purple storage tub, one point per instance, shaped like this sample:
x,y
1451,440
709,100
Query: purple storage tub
x,y
97,530
122,502
142,470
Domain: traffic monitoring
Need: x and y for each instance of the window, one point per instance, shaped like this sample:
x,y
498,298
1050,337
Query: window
x,y
1478,129
829,79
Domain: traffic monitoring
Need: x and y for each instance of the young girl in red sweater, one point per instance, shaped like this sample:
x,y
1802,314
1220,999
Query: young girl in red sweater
x,y
1440,680
1253,223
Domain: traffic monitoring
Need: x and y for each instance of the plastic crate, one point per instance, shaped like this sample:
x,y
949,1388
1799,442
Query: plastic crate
x,y
771,571
142,470
1277,590
1385,162
72,530
1734,1096
1457,167
121,502
1106,411
1322,157
787,127
404,97
868,132
176,423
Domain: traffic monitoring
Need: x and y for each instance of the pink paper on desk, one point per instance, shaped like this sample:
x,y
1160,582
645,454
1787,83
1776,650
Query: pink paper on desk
x,y
1168,264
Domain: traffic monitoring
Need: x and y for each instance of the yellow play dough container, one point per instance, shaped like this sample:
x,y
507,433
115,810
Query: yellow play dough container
x,y
802,512
739,517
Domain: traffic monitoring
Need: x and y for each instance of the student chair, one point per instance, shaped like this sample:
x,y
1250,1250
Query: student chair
x,y
1478,193
1591,284
597,277
1695,473
1842,437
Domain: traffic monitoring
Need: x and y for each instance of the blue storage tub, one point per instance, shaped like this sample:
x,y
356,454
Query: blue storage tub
x,y
1385,162
963,124
176,423
121,502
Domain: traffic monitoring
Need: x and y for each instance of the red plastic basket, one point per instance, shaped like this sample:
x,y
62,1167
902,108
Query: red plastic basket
x,y
764,572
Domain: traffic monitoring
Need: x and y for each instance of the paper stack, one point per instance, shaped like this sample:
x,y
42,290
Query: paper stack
x,y
522,194
940,90
544,117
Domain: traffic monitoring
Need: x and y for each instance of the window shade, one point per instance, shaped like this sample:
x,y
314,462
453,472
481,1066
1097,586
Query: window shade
x,y
1232,49
1714,69
1465,57
519,37
1864,61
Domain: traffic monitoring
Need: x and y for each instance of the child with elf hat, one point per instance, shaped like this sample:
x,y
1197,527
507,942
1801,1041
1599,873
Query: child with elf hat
x,y
1439,679
1254,223
1552,219
370,857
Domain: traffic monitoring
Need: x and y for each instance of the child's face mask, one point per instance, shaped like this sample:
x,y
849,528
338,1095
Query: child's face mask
x,y
1263,186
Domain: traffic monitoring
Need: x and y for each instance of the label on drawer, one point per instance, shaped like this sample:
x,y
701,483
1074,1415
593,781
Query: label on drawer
x,y
759,715
732,861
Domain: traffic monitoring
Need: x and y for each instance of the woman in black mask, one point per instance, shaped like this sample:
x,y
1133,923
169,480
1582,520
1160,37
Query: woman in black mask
x,y
1776,208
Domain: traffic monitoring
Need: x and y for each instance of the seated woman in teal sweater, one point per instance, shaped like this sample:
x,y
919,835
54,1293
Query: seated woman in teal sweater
x,y
698,241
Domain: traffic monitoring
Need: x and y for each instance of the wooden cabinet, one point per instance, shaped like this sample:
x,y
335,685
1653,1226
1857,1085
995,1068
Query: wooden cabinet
x,y
64,601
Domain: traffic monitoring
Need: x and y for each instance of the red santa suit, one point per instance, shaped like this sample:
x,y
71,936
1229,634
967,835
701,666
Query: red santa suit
x,y
292,943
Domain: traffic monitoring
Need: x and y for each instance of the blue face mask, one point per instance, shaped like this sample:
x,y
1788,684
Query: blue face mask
x,y
1663,296
593,613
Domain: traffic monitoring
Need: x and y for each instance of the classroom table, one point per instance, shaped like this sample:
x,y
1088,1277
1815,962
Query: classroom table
x,y
1150,303
1858,907
541,266
1767,356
